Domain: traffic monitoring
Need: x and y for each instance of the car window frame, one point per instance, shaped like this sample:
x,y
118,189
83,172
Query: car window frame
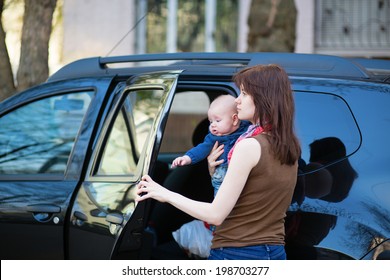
x,y
138,82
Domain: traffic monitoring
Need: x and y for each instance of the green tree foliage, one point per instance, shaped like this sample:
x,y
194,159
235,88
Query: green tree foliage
x,y
191,26
227,25
272,26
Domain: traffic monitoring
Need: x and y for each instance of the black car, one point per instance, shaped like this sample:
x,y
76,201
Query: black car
x,y
73,149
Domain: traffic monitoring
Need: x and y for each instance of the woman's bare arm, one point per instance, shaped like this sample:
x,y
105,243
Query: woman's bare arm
x,y
246,155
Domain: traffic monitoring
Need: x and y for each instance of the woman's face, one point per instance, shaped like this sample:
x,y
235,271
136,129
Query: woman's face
x,y
245,106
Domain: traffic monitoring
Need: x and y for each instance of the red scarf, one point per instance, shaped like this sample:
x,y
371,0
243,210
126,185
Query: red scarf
x,y
253,130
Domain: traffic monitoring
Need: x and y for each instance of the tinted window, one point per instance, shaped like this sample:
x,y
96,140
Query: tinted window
x,y
129,132
38,137
326,127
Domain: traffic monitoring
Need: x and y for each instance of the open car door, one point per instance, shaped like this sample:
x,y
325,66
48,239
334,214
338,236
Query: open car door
x,y
106,222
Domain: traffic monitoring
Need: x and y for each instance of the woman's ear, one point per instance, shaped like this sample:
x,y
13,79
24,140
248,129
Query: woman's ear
x,y
235,119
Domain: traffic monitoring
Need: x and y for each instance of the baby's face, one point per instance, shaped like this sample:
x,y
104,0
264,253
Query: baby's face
x,y
221,121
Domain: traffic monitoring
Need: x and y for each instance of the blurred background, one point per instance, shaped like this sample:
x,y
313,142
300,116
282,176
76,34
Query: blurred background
x,y
37,37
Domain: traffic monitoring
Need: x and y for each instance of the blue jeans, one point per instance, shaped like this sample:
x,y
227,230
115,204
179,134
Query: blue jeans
x,y
257,252
217,178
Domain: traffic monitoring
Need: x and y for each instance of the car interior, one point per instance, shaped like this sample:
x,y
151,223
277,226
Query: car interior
x,y
184,130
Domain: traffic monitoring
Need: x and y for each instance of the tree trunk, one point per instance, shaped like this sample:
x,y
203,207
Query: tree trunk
x,y
7,86
34,54
272,26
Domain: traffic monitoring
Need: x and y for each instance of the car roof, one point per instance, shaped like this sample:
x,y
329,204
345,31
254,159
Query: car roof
x,y
224,64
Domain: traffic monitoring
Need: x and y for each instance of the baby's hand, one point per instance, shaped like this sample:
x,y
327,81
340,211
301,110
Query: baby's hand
x,y
180,161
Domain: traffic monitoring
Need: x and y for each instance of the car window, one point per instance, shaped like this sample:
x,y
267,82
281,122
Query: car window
x,y
38,137
123,148
326,127
188,109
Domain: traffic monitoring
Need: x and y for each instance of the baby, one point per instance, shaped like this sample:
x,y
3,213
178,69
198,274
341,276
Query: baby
x,y
225,127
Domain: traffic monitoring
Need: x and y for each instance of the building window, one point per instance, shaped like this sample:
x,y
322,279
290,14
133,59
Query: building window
x,y
353,27
189,23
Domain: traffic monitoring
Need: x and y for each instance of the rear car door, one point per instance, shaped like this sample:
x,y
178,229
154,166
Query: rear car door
x,y
44,136
106,221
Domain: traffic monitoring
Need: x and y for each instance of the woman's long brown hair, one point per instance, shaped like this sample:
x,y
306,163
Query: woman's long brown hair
x,y
271,91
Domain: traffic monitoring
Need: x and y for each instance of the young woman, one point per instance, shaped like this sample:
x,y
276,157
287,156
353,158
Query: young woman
x,y
251,204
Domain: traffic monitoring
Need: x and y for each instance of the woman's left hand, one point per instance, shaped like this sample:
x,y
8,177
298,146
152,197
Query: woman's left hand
x,y
147,188
212,159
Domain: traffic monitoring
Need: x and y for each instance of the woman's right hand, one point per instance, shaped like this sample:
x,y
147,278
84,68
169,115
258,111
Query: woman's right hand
x,y
212,161
147,188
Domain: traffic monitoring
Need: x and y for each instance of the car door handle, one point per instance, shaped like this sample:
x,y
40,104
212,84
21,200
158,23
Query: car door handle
x,y
43,208
80,216
115,218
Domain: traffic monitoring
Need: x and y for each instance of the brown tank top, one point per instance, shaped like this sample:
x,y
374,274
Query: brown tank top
x,y
258,216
